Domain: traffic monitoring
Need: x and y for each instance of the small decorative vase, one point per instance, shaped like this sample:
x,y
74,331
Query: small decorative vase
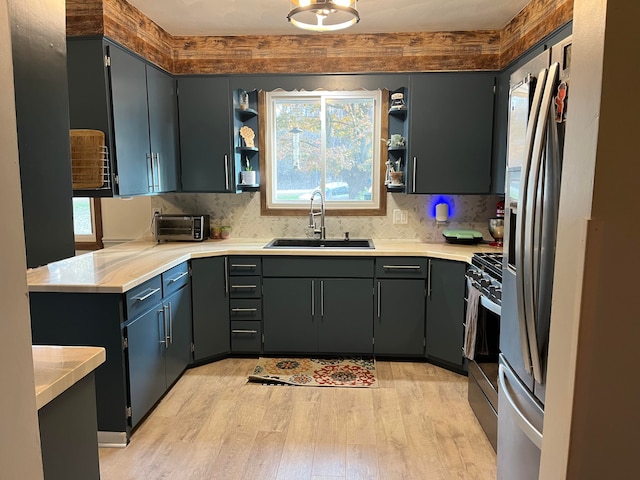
x,y
396,178
248,178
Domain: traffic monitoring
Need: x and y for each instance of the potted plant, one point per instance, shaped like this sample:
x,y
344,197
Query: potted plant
x,y
248,176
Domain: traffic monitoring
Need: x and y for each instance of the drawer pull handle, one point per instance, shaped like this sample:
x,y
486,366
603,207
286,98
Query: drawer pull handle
x,y
244,331
244,286
143,298
402,267
175,279
239,265
244,309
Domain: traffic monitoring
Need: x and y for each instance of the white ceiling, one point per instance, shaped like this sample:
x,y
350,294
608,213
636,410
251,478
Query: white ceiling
x,y
269,17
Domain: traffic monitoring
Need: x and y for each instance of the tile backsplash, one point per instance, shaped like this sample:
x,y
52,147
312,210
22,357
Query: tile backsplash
x,y
242,213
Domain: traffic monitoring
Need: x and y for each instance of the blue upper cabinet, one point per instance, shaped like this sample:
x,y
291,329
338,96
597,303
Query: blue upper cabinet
x,y
134,104
207,157
450,132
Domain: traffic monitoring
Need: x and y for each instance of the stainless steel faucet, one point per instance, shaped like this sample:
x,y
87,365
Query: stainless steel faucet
x,y
320,233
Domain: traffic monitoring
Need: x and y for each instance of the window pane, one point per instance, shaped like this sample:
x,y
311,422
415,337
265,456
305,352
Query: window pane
x,y
82,224
350,134
298,149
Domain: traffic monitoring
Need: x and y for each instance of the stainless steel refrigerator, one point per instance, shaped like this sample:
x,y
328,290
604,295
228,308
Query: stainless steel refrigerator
x,y
538,104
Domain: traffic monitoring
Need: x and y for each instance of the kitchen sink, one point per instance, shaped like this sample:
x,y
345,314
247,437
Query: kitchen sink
x,y
317,243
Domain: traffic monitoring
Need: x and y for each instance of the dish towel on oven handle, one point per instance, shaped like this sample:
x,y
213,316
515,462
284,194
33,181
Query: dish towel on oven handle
x,y
471,326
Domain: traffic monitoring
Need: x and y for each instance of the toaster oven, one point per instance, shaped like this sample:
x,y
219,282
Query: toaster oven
x,y
185,228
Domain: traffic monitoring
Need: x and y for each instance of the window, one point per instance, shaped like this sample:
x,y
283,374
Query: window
x,y
323,140
87,223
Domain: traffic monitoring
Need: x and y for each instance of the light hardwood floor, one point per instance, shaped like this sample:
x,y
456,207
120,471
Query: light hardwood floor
x,y
214,425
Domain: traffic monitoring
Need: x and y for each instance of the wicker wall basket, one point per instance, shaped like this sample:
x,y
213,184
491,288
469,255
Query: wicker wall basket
x,y
88,158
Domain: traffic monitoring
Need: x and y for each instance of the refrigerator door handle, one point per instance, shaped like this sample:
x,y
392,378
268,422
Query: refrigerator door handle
x,y
525,425
533,228
522,219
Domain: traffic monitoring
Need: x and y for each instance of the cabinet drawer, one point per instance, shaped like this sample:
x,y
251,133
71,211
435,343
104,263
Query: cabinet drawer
x,y
245,287
245,266
139,299
327,267
175,278
246,337
401,267
245,309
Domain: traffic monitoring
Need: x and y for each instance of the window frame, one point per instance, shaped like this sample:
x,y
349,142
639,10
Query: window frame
x,y
92,242
331,210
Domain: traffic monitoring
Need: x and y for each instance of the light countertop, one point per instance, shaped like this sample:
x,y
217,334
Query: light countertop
x,y
58,368
122,267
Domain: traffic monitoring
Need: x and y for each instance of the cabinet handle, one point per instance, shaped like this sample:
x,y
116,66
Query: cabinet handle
x,y
244,309
402,267
175,279
429,280
158,169
244,286
379,296
170,324
322,299
239,265
151,293
150,181
164,325
226,276
244,331
313,298
413,186
226,172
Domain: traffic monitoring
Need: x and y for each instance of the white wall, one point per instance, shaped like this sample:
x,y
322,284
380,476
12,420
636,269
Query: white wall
x,y
20,451
125,219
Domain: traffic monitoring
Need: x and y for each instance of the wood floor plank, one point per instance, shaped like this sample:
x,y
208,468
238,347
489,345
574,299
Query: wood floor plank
x,y
264,457
389,426
330,454
359,416
296,461
362,462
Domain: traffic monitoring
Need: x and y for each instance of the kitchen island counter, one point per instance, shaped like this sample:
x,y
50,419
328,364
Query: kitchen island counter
x,y
56,368
120,268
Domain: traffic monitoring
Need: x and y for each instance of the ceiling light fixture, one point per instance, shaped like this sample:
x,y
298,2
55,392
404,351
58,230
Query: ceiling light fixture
x,y
323,15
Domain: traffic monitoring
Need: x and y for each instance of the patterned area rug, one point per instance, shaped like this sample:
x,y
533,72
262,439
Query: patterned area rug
x,y
316,372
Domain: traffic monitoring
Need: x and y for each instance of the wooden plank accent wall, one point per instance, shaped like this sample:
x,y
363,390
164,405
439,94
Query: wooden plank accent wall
x,y
84,17
332,53
537,20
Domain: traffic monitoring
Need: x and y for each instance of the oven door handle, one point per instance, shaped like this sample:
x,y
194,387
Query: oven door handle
x,y
489,305
484,300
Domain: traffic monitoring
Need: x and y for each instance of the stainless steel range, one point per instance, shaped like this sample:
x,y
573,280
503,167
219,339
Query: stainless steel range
x,y
485,274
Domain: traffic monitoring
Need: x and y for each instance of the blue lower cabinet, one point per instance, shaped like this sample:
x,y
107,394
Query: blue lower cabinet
x,y
318,315
399,325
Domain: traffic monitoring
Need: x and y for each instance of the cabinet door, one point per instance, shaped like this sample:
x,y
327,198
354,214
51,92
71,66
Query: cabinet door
x,y
163,129
445,311
178,352
210,307
147,379
288,311
400,317
346,313
130,122
205,134
450,132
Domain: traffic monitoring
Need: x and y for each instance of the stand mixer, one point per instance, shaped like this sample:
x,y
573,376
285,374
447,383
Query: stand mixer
x,y
496,226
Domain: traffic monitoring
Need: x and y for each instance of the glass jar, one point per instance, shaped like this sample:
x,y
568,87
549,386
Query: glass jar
x,y
243,100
